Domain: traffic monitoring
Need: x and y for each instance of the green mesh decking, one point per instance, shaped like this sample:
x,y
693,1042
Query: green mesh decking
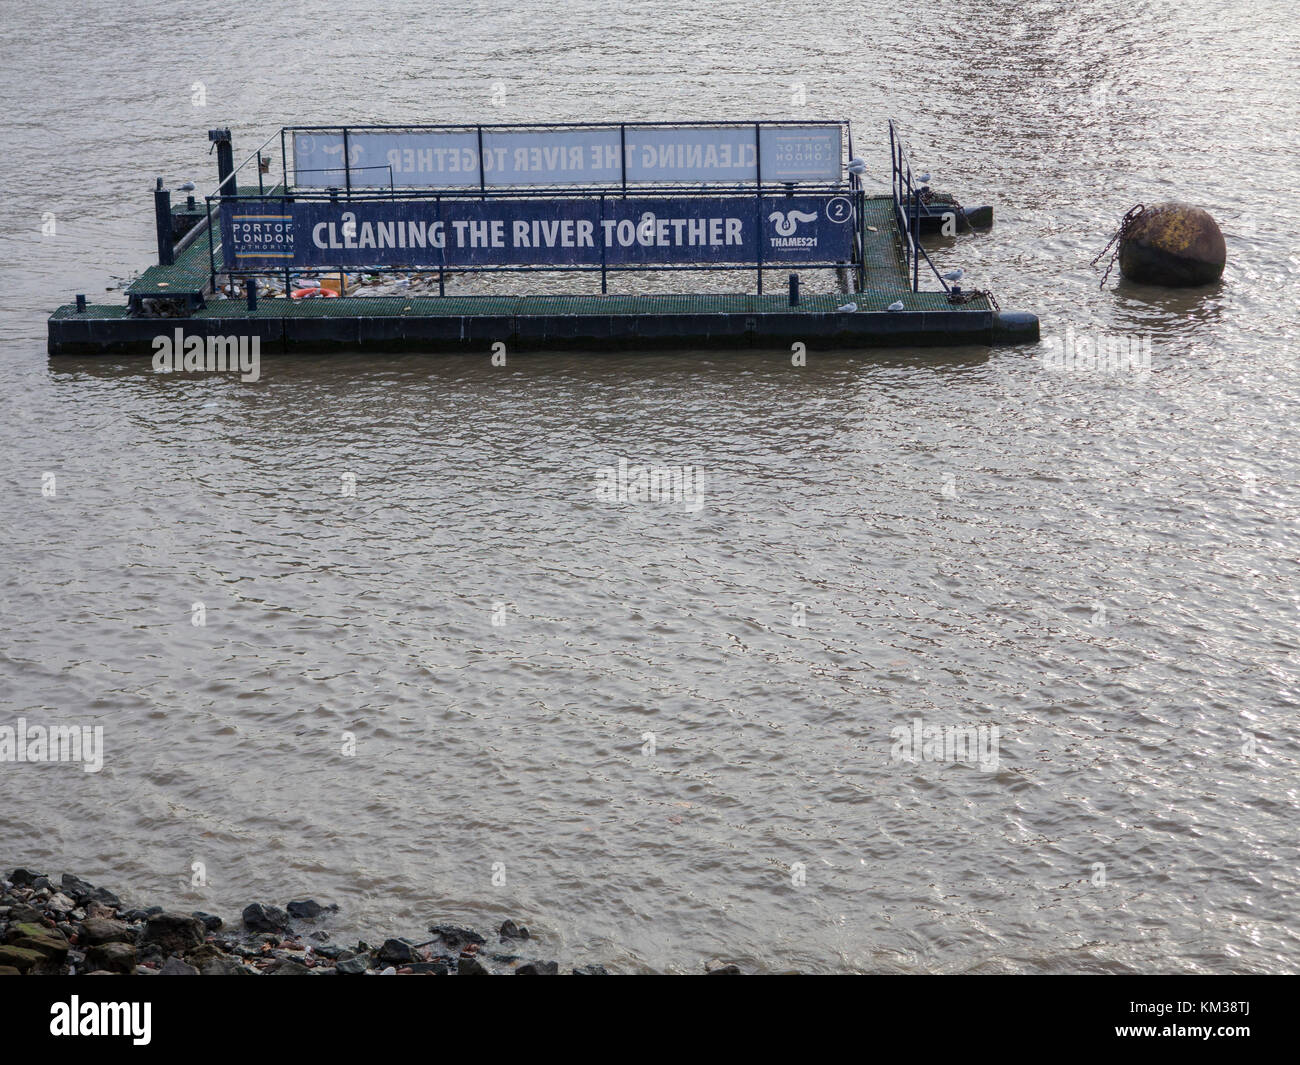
x,y
190,273
192,270
884,270
883,267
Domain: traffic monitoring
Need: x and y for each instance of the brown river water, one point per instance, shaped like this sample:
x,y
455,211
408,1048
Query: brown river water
x,y
1100,564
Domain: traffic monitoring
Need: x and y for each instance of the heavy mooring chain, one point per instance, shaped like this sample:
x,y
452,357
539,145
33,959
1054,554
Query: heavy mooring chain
x,y
927,196
1126,223
963,296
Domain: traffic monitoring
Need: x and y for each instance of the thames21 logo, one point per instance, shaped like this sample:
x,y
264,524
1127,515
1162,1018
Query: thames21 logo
x,y
787,224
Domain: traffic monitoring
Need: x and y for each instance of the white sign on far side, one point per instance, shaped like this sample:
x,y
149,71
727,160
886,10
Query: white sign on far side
x,y
569,156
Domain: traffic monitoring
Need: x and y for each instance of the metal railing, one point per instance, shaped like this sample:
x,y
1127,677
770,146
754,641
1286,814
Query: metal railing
x,y
477,187
907,210
436,264
478,176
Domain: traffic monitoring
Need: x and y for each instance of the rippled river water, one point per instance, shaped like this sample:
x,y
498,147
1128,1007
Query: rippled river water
x,y
1101,565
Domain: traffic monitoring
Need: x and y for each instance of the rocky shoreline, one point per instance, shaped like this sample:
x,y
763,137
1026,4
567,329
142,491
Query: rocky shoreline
x,y
71,927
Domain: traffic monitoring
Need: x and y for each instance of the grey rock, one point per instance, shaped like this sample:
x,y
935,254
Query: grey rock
x,y
48,943
353,966
470,967
112,957
307,908
456,938
261,918
20,958
202,953
176,967
397,951
510,930
538,968
60,903
23,877
76,887
96,930
590,970
287,967
266,939
174,933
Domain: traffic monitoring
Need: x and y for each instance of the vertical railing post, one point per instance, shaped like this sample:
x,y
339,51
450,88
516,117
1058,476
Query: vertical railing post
x,y
284,163
482,170
622,155
347,165
915,201
862,239
905,172
758,206
603,253
212,251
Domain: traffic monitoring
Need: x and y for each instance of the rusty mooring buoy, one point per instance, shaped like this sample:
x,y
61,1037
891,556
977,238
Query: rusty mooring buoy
x,y
1172,244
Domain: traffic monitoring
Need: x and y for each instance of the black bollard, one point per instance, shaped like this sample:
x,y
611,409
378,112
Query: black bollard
x,y
81,303
250,290
794,290
225,162
162,212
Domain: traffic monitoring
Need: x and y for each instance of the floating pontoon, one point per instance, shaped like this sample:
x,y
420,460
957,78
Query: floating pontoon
x,y
446,201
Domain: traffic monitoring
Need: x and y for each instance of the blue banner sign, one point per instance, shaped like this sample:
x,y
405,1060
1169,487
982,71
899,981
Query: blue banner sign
x,y
451,158
466,233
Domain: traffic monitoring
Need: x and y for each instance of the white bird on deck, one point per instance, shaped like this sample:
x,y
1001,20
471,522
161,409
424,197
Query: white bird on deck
x,y
848,308
924,179
857,165
897,305
187,187
954,275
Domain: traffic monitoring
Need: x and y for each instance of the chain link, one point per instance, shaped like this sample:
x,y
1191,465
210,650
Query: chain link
x,y
1126,223
972,295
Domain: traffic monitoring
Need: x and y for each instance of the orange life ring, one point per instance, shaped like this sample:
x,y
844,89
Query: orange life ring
x,y
308,293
